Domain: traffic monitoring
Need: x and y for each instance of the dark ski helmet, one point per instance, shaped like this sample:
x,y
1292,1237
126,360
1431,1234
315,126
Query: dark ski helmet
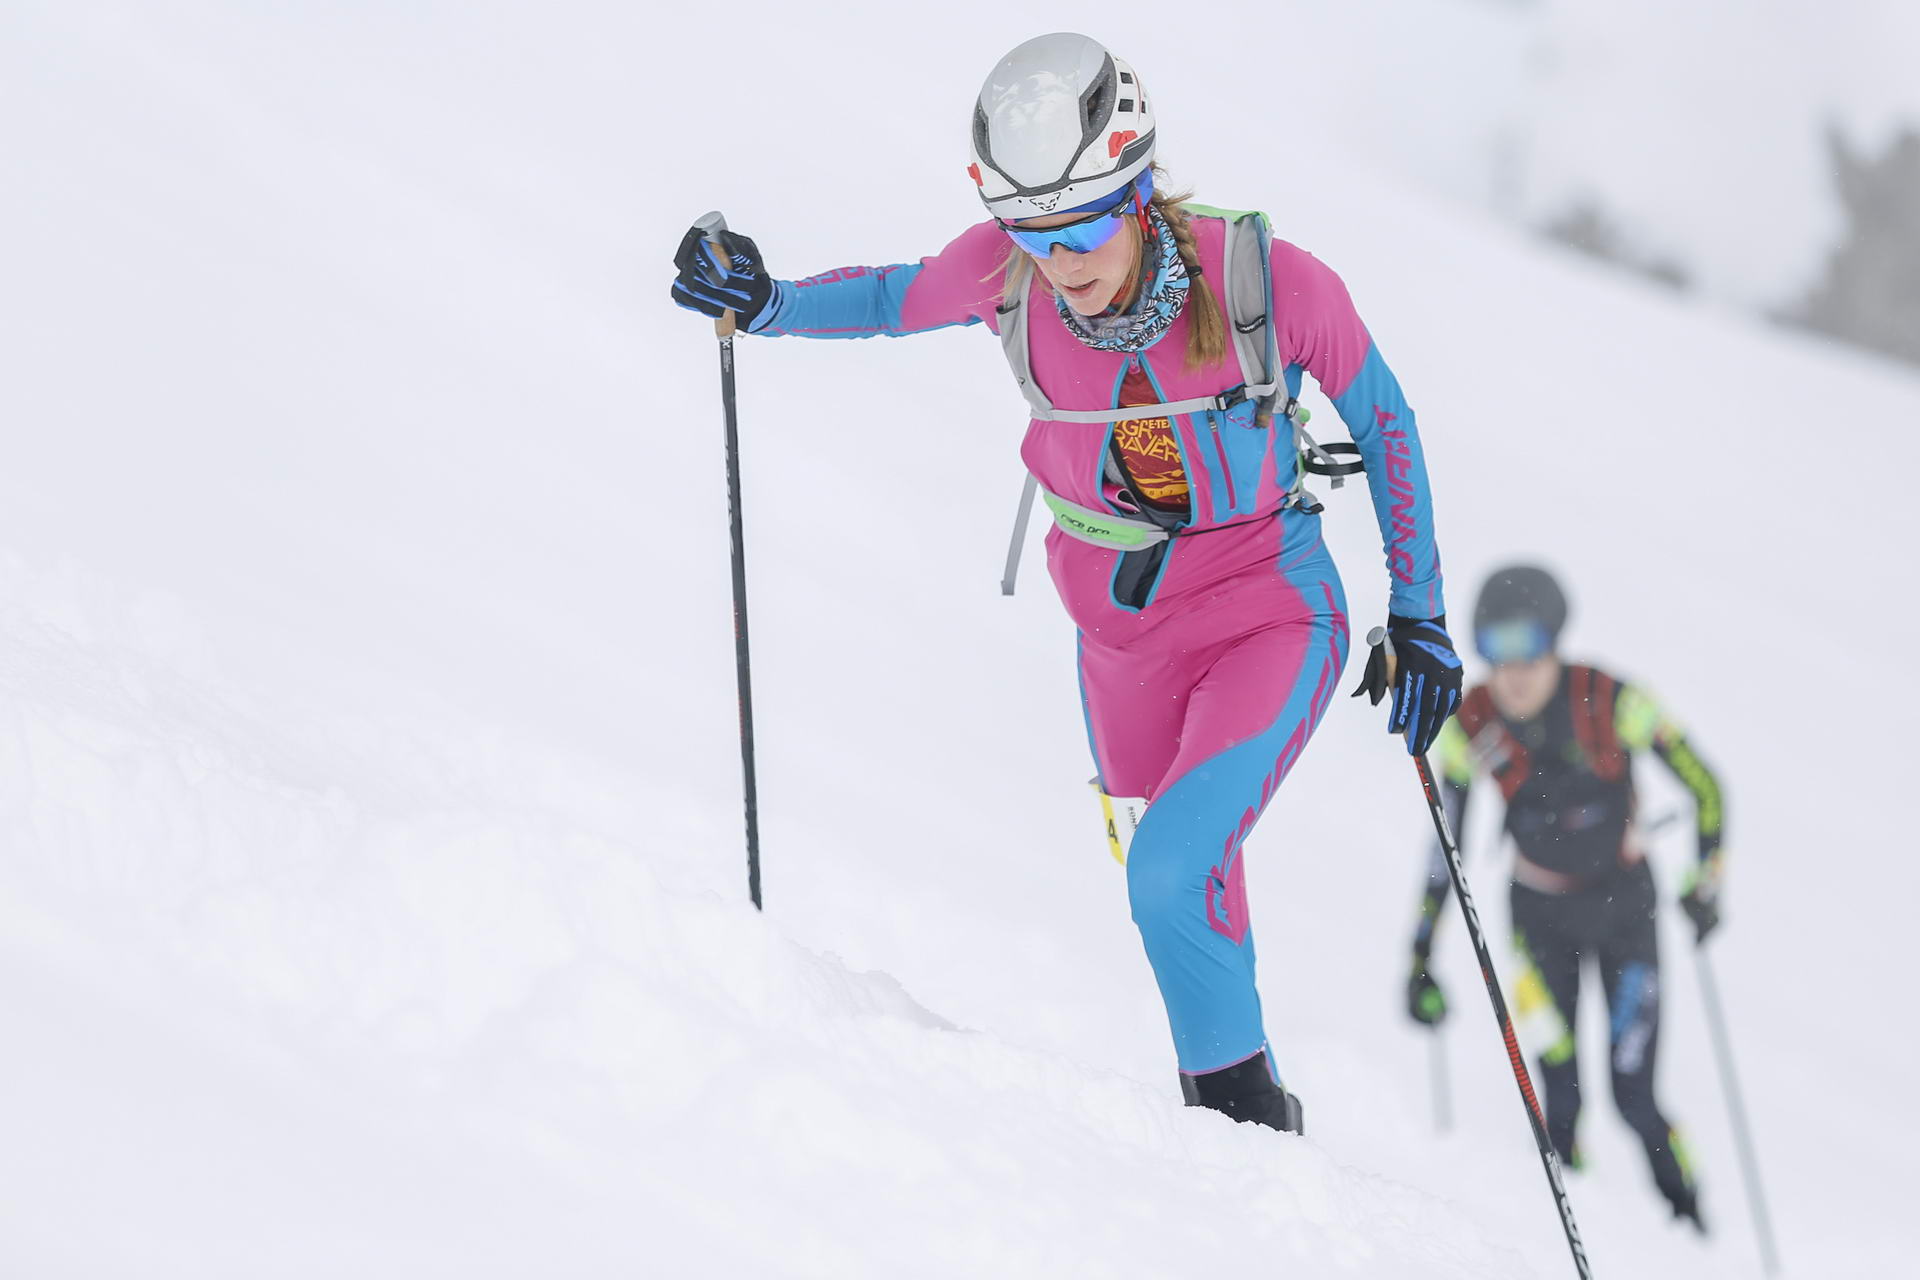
x,y
1519,615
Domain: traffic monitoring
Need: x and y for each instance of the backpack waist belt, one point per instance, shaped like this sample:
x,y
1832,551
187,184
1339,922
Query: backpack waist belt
x,y
1126,533
1103,528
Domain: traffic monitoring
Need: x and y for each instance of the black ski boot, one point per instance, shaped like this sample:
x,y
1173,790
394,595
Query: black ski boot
x,y
1686,1208
1246,1092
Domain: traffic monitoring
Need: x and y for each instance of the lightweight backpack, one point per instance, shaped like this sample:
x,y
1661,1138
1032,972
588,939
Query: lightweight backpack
x,y
1249,294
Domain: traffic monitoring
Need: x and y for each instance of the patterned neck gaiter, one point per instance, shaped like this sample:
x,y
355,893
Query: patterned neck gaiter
x,y
1152,313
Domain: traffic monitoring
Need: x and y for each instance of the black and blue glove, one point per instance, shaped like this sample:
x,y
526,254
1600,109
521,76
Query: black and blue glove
x,y
1425,676
709,285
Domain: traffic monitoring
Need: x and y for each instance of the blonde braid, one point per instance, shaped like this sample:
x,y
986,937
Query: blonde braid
x,y
1206,328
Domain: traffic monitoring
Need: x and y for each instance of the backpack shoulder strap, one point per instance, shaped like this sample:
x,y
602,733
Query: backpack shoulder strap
x,y
1247,283
1493,746
1247,286
1016,346
1592,693
1013,344
1248,268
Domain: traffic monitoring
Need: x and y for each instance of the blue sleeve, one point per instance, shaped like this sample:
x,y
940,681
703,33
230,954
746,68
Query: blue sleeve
x,y
957,286
1382,423
851,302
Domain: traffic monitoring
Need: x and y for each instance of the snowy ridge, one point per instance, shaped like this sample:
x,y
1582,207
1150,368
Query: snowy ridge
x,y
553,993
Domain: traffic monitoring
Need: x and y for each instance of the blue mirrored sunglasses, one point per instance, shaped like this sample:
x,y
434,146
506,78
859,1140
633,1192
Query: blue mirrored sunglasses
x,y
1082,235
1518,640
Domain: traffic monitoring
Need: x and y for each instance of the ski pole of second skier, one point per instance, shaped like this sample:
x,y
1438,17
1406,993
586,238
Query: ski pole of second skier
x,y
1737,1109
1549,1161
711,225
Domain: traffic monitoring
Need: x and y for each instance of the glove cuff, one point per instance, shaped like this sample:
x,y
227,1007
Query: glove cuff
x,y
1704,879
769,310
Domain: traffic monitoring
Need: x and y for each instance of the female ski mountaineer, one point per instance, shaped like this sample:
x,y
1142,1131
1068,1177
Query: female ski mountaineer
x,y
1559,738
1212,624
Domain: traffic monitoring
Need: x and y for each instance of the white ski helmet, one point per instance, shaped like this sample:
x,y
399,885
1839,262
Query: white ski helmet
x,y
1059,123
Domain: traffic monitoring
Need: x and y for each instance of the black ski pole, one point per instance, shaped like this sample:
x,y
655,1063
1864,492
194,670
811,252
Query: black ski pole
x,y
1548,1160
1442,828
1730,1084
710,227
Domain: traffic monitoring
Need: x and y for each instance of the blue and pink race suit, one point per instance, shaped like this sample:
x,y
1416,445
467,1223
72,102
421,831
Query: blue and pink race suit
x,y
1207,661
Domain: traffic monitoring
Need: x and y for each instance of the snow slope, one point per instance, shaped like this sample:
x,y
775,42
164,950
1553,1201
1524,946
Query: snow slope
x,y
368,796
297,1000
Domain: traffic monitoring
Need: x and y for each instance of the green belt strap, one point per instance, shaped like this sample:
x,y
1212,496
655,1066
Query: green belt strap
x,y
1100,528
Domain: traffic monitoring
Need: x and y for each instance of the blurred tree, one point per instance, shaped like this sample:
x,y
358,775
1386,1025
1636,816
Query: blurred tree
x,y
1870,294
1586,227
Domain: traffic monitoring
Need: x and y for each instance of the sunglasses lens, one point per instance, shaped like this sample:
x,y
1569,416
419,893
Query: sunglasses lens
x,y
1521,640
1083,236
1080,237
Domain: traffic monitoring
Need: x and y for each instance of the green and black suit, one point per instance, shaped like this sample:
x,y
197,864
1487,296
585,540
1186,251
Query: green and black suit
x,y
1581,885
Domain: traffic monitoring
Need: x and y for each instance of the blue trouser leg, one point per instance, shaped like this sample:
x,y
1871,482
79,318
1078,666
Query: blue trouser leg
x,y
1185,880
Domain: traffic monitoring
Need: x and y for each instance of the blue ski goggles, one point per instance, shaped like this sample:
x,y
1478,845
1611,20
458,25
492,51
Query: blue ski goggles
x,y
1102,222
1518,640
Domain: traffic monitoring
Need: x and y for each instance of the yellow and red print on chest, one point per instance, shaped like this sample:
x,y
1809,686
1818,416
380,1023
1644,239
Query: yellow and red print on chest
x,y
1151,452
1153,459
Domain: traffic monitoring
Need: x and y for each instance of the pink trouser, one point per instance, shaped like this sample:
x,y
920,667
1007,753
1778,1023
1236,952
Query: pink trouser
x,y
1204,715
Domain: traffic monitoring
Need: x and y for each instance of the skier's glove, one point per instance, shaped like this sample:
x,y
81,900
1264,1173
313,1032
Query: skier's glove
x,y
1701,901
1425,678
1426,1003
739,284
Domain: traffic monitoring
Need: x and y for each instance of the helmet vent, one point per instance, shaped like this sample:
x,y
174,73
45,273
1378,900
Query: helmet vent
x,y
981,145
1097,105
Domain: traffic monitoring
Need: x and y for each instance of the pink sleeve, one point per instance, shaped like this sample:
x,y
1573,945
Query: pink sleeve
x,y
1319,328
959,284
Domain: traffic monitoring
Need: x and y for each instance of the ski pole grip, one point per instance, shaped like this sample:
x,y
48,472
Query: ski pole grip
x,y
710,225
1379,636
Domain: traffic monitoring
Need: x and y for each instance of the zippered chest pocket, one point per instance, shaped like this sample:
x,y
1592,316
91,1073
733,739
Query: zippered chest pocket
x,y
1239,447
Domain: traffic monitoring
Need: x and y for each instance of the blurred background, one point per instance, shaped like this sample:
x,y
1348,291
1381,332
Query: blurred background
x,y
370,885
